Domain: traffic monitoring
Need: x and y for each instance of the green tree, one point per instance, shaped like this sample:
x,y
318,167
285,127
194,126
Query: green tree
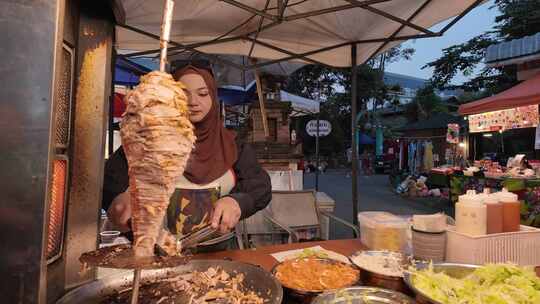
x,y
425,103
314,81
332,86
517,19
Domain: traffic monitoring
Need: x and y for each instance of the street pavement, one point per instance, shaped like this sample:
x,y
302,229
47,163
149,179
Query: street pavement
x,y
374,194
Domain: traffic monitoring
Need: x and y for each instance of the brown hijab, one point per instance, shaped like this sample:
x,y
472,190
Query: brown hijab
x,y
215,149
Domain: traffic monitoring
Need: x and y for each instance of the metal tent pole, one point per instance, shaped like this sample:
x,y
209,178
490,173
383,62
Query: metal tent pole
x,y
354,160
110,130
317,155
165,33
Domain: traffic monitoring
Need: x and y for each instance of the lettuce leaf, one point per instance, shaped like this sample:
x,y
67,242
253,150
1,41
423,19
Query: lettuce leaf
x,y
490,284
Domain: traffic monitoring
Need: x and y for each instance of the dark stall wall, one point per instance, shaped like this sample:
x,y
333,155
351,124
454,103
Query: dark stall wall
x,y
505,144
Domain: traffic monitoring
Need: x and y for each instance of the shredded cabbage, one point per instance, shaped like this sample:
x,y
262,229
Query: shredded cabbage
x,y
308,253
489,284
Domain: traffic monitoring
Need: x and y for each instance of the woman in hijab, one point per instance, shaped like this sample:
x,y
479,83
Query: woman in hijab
x,y
222,183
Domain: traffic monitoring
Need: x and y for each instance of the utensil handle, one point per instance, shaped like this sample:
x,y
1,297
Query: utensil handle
x,y
165,33
196,237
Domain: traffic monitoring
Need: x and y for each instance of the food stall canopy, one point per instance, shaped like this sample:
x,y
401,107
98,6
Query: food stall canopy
x,y
301,105
226,74
234,95
523,94
127,71
313,31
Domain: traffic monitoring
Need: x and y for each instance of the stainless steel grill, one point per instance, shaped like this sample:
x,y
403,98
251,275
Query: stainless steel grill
x,y
63,102
59,185
57,208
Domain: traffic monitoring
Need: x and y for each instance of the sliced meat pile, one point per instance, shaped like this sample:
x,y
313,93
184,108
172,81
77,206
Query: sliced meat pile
x,y
157,138
214,285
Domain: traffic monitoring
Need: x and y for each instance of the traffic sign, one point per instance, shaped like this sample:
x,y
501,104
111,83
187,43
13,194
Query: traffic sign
x,y
325,127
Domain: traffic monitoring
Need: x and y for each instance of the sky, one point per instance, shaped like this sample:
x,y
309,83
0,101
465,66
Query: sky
x,y
478,21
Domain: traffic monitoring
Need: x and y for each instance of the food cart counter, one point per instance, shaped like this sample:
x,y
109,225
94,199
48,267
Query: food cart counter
x,y
262,255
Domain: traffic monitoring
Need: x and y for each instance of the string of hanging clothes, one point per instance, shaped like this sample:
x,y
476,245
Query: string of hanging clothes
x,y
416,155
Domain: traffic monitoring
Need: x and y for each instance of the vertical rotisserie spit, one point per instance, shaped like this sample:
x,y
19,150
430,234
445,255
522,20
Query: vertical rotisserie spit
x,y
157,137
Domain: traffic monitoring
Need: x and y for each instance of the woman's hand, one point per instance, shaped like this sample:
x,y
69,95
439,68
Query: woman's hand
x,y
120,211
226,214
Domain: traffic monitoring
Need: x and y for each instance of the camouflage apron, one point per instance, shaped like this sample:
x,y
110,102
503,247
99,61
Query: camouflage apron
x,y
191,205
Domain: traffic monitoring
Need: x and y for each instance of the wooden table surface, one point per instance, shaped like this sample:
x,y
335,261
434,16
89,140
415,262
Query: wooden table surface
x,y
261,256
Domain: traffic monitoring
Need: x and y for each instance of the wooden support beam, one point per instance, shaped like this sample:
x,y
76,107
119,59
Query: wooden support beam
x,y
261,103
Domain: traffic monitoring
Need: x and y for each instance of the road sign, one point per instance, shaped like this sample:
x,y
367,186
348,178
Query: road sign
x,y
325,127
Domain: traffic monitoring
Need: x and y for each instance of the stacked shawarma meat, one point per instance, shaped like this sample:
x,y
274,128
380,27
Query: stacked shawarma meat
x,y
157,138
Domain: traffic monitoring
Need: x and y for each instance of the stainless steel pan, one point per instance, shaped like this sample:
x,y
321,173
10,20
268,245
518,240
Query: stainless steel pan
x,y
256,279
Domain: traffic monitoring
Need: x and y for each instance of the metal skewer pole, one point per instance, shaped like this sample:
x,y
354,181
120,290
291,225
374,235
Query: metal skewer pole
x,y
136,283
165,33
163,44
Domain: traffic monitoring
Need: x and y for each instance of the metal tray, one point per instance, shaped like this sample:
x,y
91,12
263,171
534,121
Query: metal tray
x,y
256,279
122,257
451,269
362,295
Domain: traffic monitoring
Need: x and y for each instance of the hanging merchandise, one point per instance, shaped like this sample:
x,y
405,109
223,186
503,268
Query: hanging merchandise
x,y
448,156
419,157
537,138
412,157
428,157
452,135
400,157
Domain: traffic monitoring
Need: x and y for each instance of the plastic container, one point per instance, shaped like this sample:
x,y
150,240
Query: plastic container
x,y
511,210
471,214
108,237
383,231
430,222
521,247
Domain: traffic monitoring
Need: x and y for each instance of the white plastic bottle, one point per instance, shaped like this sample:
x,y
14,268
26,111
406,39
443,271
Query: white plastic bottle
x,y
471,214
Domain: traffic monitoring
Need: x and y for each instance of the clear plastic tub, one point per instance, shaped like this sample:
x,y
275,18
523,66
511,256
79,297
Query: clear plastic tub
x,y
383,231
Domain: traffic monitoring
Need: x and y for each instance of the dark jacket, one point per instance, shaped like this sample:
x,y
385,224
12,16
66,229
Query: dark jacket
x,y
253,190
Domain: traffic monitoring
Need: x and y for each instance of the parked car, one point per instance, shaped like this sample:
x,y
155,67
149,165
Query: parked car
x,y
383,163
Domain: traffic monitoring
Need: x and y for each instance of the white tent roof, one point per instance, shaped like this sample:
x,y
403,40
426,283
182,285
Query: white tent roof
x,y
374,25
228,75
301,106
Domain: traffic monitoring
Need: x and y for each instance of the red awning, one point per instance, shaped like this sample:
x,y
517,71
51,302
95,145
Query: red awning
x,y
523,94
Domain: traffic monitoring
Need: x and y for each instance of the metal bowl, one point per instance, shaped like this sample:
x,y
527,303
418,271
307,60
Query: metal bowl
x,y
306,296
374,279
362,295
256,279
454,270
